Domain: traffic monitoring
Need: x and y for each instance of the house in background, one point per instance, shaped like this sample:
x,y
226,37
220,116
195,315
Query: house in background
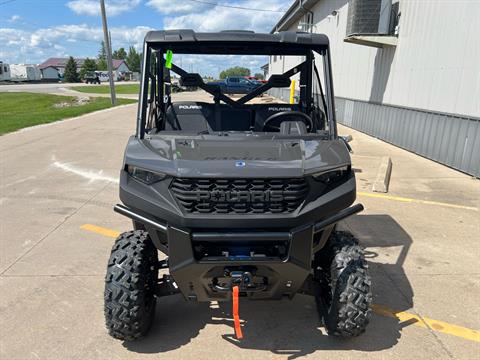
x,y
121,70
53,68
50,73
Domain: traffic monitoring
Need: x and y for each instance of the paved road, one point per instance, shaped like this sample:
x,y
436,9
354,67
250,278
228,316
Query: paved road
x,y
59,177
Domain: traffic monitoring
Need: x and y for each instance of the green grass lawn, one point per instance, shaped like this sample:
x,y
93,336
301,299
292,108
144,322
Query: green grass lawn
x,y
20,110
105,89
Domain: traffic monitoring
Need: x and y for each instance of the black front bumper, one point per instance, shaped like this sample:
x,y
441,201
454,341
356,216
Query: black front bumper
x,y
204,279
201,262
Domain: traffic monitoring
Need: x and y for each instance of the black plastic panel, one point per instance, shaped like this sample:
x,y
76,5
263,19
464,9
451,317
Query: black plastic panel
x,y
239,196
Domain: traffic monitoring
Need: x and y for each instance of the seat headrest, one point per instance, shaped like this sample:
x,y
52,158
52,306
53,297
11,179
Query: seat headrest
x,y
191,79
279,81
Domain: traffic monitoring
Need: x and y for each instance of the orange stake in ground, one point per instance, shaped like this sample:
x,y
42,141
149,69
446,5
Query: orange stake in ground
x,y
236,318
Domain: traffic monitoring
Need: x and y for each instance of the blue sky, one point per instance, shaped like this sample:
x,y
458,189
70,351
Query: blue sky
x,y
33,30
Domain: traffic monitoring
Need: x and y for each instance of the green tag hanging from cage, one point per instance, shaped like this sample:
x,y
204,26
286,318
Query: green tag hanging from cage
x,y
168,59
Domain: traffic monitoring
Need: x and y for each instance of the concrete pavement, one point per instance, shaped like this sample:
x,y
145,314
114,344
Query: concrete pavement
x,y
56,178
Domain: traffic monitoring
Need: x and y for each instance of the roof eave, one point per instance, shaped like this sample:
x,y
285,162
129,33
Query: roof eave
x,y
298,9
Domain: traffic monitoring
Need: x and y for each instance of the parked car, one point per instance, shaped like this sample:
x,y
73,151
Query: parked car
x,y
235,85
91,77
255,80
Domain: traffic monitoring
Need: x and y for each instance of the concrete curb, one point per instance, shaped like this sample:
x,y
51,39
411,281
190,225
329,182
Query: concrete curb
x,y
68,91
383,176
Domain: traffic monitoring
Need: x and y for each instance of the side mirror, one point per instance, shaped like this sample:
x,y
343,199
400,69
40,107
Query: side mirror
x,y
346,140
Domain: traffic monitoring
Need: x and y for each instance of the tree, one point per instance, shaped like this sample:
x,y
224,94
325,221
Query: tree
x,y
102,53
259,76
71,74
102,65
133,60
102,58
120,54
235,71
89,65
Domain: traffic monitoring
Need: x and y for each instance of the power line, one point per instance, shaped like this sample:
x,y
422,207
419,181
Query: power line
x,y
236,7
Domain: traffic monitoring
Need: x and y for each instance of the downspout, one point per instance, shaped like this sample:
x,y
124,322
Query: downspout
x,y
300,9
305,10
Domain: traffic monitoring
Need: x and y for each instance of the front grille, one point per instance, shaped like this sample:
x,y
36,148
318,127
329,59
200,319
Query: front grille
x,y
239,196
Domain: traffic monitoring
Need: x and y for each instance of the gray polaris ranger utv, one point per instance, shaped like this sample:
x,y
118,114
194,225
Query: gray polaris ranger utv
x,y
240,193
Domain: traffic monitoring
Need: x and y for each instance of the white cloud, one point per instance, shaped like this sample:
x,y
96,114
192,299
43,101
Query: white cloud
x,y
92,7
81,40
59,41
201,17
14,18
168,7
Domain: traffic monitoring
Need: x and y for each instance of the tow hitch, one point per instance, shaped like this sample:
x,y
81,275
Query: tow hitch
x,y
245,280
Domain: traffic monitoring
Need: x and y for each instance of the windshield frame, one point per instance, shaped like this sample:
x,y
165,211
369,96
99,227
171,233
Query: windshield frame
x,y
306,99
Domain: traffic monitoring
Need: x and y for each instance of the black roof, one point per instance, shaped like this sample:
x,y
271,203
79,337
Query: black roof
x,y
236,37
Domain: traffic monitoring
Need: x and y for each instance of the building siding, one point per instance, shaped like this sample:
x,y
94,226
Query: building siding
x,y
449,139
421,95
49,73
435,65
122,68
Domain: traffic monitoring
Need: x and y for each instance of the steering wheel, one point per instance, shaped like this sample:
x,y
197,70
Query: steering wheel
x,y
285,114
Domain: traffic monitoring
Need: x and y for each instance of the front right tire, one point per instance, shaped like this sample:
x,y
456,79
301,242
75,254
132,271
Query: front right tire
x,y
345,292
130,282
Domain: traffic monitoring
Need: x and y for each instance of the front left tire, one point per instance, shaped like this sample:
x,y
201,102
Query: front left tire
x,y
130,283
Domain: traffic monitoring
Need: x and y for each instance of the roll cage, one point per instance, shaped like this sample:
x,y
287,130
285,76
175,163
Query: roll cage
x,y
152,109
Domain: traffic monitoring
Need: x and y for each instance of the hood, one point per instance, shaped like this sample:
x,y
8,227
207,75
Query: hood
x,y
236,157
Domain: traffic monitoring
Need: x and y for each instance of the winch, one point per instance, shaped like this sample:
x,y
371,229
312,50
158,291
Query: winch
x,y
244,278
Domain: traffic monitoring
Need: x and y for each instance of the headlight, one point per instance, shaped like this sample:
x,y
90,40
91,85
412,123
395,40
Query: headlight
x,y
145,176
330,176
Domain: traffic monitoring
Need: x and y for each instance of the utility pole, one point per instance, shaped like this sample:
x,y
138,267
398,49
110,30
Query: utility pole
x,y
108,49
